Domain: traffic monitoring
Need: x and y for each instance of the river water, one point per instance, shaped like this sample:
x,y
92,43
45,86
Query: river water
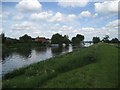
x,y
19,59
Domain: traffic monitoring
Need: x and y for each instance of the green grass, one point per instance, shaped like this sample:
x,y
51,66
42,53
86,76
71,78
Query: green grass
x,y
92,67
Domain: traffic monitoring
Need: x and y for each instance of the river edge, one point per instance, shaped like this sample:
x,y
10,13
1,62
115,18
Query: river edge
x,y
49,69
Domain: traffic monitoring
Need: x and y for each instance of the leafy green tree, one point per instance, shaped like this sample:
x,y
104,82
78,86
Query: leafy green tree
x,y
66,39
74,40
78,39
25,38
3,37
114,40
106,39
57,39
96,40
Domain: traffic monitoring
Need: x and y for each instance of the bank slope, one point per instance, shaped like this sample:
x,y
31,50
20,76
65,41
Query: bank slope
x,y
95,66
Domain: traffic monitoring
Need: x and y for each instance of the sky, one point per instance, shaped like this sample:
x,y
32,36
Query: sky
x,y
43,19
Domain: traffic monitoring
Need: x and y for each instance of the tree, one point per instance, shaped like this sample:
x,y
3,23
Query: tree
x,y
3,37
74,40
78,39
66,39
106,39
114,40
96,40
57,39
25,38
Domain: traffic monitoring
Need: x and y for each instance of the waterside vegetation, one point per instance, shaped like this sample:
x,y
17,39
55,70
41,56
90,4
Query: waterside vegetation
x,y
92,67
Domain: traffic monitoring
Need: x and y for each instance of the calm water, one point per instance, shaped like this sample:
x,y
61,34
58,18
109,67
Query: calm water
x,y
16,60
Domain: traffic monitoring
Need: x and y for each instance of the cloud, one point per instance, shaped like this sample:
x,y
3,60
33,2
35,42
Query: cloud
x,y
110,29
4,15
41,16
73,3
1,29
95,15
18,29
29,5
50,17
107,7
18,17
23,26
113,28
114,24
85,14
48,29
71,17
50,22
58,17
0,16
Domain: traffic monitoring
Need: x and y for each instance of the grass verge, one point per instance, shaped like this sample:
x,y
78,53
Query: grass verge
x,y
95,66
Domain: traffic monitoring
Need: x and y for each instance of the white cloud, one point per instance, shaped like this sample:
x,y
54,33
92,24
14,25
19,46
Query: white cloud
x,y
107,7
88,29
0,15
18,17
18,29
58,17
95,15
41,16
48,29
66,28
29,5
85,14
113,24
1,29
110,29
71,17
4,15
73,3
23,26
50,17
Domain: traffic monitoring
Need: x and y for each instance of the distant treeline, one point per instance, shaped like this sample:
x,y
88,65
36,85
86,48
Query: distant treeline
x,y
57,39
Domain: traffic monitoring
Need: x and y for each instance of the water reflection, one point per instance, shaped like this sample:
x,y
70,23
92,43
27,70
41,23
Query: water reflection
x,y
26,56
5,53
40,50
56,50
25,52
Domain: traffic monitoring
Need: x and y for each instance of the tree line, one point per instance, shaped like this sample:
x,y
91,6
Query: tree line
x,y
105,40
58,39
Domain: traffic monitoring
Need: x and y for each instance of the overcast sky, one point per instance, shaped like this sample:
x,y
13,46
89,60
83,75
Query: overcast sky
x,y
44,19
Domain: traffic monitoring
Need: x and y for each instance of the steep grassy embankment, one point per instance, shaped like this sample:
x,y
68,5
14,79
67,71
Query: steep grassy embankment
x,y
95,66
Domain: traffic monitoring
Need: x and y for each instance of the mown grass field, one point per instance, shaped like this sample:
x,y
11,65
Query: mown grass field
x,y
92,67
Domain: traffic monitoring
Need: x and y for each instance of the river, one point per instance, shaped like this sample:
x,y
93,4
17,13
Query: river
x,y
16,60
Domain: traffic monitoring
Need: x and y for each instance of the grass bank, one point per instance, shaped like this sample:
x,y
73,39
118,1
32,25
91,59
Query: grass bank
x,y
92,67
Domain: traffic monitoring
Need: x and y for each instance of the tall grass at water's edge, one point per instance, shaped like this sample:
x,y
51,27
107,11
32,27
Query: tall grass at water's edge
x,y
38,74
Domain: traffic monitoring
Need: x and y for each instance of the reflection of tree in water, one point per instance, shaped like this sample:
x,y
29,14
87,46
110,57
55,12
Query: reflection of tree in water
x,y
24,52
56,50
78,46
5,53
66,48
40,50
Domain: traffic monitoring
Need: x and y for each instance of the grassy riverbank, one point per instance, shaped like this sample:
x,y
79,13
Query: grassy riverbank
x,y
95,66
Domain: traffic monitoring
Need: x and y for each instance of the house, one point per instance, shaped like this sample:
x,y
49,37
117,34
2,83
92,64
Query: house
x,y
41,39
